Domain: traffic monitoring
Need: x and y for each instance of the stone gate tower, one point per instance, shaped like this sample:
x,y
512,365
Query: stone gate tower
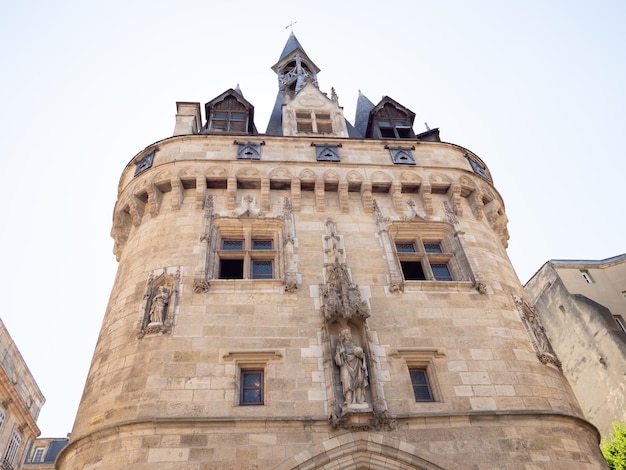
x,y
320,296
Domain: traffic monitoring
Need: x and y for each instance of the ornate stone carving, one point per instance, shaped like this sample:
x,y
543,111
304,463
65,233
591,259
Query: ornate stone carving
x,y
248,208
538,337
450,213
340,298
200,286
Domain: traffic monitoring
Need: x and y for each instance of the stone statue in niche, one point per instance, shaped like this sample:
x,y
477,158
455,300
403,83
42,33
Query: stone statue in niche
x,y
353,368
159,305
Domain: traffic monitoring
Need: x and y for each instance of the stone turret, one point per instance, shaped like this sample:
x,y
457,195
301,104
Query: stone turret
x,y
318,296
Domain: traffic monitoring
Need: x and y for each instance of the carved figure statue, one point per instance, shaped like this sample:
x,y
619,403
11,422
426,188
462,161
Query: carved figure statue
x,y
159,305
351,361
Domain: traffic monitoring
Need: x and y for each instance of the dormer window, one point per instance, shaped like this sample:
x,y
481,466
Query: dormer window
x,y
390,120
229,113
228,116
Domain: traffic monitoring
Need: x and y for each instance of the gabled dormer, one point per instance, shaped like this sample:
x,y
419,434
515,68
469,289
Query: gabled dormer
x,y
311,112
229,113
390,120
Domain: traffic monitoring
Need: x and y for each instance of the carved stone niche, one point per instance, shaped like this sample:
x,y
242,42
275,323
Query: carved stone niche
x,y
538,337
356,400
159,303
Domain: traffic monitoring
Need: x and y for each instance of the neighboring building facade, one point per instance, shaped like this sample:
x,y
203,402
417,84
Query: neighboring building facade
x,y
43,452
582,305
321,296
20,404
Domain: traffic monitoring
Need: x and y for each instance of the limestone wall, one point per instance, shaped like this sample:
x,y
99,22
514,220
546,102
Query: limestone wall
x,y
167,396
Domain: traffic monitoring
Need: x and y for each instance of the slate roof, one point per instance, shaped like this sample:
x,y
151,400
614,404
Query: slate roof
x,y
275,124
363,108
292,45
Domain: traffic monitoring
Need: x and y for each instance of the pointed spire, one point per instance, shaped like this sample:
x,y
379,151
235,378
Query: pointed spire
x,y
292,45
363,108
238,90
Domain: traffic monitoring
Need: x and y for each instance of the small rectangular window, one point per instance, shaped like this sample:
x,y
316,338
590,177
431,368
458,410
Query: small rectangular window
x,y
9,455
261,244
235,245
305,126
405,247
251,387
387,132
441,272
433,248
421,387
413,270
324,127
38,455
231,269
262,269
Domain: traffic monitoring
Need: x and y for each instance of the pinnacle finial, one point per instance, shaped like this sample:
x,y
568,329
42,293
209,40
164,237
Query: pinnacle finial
x,y
290,25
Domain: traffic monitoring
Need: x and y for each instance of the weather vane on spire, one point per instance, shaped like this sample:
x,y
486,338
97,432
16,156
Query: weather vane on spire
x,y
290,25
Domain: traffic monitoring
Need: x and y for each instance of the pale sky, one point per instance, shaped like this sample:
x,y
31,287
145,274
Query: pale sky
x,y
535,88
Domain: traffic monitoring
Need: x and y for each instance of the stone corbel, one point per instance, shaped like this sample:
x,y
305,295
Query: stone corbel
x,y
231,193
154,200
265,194
200,192
477,204
177,193
344,197
425,193
136,209
396,196
296,194
320,195
454,193
366,196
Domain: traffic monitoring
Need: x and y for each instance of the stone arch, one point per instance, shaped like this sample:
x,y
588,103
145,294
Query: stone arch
x,y
280,173
248,172
366,450
331,175
467,185
187,172
410,177
161,178
440,178
307,175
216,172
354,176
379,176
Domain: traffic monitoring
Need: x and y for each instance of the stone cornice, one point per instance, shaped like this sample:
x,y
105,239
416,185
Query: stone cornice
x,y
15,402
